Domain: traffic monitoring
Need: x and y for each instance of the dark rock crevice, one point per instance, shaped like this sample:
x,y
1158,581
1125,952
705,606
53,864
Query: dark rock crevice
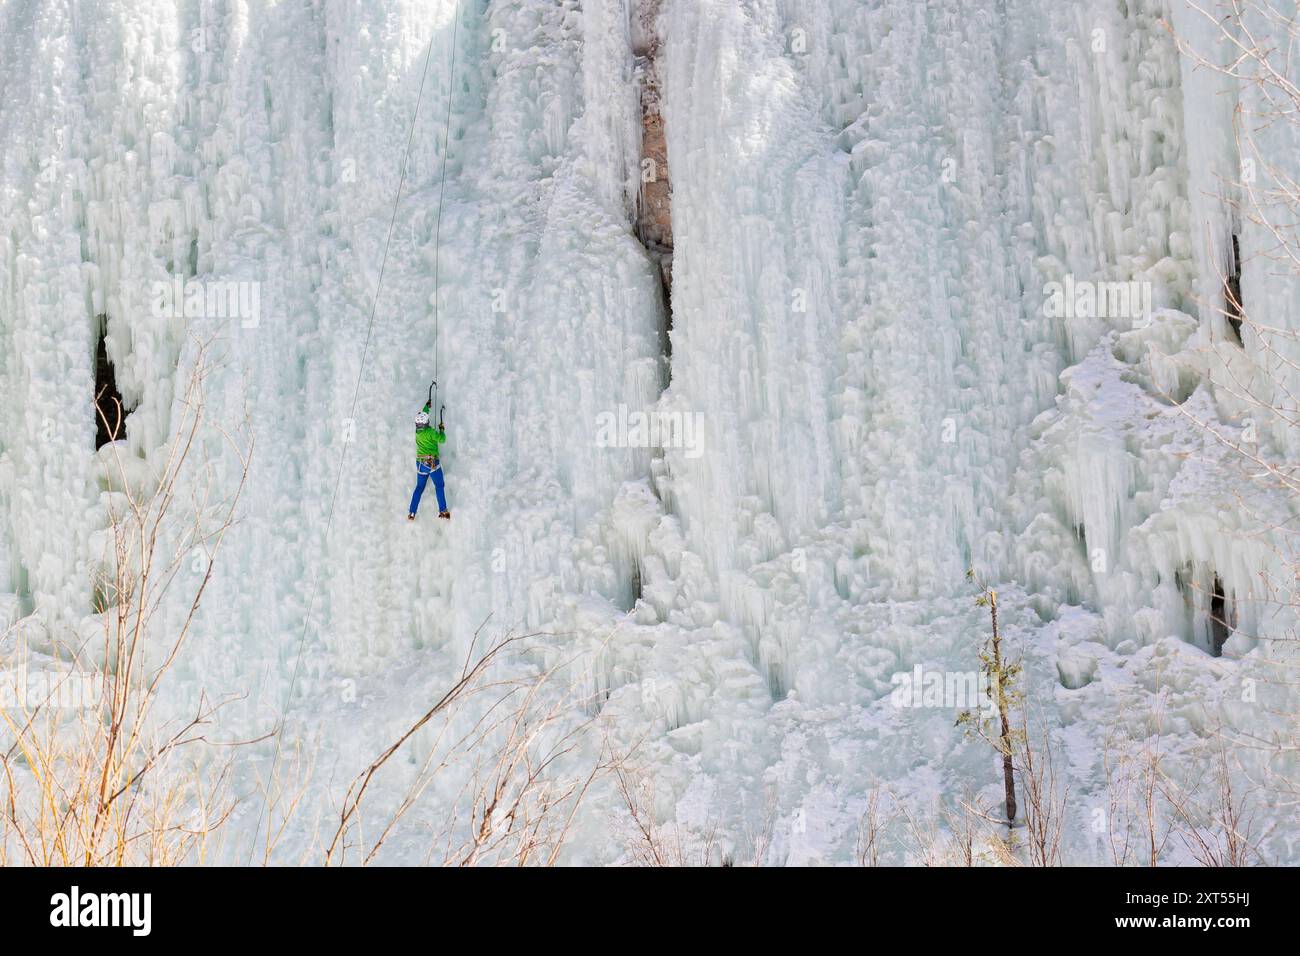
x,y
1212,611
1220,621
110,410
1232,307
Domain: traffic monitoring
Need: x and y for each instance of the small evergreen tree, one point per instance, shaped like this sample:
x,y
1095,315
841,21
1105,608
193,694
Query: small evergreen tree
x,y
1002,677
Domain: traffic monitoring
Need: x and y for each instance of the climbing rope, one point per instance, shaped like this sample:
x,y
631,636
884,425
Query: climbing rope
x,y
442,188
365,351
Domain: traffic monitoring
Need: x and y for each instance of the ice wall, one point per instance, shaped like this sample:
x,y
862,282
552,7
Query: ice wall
x,y
872,203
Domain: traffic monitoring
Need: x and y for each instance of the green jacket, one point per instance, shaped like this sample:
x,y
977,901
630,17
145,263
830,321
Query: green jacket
x,y
428,439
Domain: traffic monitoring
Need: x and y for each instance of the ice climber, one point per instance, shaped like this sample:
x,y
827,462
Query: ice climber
x,y
427,463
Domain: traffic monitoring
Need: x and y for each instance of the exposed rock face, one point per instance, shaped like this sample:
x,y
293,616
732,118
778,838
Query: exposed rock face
x,y
655,221
654,211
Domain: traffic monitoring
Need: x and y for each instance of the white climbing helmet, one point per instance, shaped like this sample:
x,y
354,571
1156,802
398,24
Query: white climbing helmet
x,y
421,419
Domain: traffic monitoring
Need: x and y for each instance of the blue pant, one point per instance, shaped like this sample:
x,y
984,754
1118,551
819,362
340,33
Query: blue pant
x,y
422,473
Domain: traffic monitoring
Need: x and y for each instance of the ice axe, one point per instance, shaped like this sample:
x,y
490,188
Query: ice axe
x,y
432,387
